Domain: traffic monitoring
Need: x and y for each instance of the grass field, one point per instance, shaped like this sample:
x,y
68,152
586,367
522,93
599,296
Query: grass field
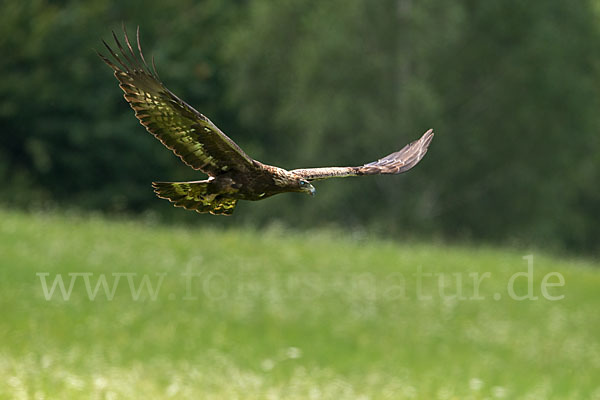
x,y
275,314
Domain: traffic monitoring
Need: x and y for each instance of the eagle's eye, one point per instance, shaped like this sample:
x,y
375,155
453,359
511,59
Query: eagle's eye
x,y
303,183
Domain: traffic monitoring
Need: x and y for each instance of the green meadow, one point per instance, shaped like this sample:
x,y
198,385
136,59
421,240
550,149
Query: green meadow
x,y
95,308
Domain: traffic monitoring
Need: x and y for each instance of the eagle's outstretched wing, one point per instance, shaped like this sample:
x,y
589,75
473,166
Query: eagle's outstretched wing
x,y
395,163
189,134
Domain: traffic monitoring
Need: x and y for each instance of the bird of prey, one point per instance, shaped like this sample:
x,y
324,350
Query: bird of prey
x,y
232,174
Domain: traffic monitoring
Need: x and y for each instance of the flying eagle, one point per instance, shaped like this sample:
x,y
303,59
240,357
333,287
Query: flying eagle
x,y
232,174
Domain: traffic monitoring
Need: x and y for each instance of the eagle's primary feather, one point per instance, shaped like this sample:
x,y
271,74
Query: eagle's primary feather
x,y
233,175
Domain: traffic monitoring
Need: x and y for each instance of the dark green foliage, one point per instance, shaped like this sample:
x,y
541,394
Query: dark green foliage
x,y
67,133
510,87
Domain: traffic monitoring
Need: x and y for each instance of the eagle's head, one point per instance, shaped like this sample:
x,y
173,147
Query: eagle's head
x,y
306,187
291,182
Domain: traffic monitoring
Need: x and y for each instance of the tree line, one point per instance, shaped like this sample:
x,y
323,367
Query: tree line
x,y
510,87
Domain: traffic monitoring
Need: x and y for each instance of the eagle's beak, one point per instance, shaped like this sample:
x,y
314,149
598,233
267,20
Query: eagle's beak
x,y
312,190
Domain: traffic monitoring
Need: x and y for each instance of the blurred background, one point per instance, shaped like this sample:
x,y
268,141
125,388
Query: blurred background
x,y
510,87
297,297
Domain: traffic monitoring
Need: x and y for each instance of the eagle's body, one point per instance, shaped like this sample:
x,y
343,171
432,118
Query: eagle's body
x,y
233,175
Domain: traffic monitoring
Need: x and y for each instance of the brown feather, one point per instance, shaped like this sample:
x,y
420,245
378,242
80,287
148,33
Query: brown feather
x,y
189,134
395,163
199,196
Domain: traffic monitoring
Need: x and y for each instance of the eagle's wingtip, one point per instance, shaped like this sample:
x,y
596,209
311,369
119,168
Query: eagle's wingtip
x,y
427,137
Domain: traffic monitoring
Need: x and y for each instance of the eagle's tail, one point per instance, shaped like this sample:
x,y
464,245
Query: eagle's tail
x,y
196,195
